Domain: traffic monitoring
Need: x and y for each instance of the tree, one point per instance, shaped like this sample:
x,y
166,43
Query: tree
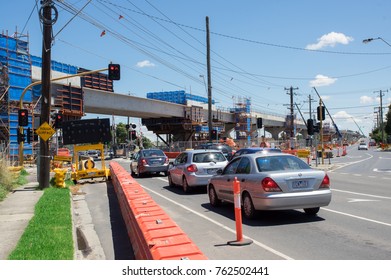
x,y
147,143
121,133
387,128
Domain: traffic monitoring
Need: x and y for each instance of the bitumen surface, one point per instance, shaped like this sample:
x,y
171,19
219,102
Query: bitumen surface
x,y
17,209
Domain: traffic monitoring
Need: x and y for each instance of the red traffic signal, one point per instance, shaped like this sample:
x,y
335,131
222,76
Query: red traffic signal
x,y
23,117
58,120
114,71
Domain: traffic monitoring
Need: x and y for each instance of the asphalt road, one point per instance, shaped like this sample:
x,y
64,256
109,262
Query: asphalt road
x,y
355,226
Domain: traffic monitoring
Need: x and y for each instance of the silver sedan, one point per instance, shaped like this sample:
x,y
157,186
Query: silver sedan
x,y
193,168
271,182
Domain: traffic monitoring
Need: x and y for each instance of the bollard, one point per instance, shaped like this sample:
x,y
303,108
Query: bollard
x,y
238,217
344,153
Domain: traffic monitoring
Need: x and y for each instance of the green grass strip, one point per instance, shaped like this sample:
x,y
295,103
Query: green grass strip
x,y
49,233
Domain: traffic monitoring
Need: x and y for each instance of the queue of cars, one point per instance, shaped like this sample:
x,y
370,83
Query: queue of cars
x,y
269,179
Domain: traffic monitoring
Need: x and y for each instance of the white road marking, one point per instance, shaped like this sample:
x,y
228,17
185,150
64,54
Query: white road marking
x,y
361,200
354,162
363,194
264,246
357,217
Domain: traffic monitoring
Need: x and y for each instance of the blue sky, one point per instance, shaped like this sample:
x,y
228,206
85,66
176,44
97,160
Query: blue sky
x,y
258,49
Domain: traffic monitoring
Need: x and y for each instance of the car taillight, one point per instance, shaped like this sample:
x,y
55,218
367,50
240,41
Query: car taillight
x,y
269,185
192,168
325,182
144,162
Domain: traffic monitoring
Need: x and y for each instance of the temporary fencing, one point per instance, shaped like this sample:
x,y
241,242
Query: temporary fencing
x,y
153,234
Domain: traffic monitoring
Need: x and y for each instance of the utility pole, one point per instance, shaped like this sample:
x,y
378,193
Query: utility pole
x,y
47,22
210,125
381,94
291,126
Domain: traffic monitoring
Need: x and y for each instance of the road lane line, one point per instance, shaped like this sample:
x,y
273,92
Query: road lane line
x,y
264,246
350,163
357,217
364,194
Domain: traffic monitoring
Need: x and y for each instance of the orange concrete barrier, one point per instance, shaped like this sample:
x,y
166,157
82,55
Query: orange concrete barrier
x,y
152,233
292,152
172,154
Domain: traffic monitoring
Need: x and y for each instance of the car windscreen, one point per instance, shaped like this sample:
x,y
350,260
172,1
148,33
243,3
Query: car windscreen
x,y
289,163
153,153
208,157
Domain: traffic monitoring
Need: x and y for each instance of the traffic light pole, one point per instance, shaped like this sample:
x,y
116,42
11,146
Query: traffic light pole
x,y
38,83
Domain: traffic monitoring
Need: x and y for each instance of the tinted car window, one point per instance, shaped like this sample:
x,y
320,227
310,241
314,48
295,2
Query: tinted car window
x,y
244,166
208,157
280,163
231,167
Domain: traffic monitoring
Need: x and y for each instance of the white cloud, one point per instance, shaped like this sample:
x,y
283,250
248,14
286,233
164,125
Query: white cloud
x,y
145,63
366,99
342,115
330,40
325,97
321,80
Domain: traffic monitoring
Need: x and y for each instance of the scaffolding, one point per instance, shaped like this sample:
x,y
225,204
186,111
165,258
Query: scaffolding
x,y
15,75
242,111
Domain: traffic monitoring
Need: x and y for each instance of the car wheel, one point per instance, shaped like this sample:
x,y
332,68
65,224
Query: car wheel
x,y
185,185
170,183
248,207
139,174
213,199
165,173
131,171
311,211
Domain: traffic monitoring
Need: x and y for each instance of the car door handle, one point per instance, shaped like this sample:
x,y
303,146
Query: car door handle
x,y
243,180
228,180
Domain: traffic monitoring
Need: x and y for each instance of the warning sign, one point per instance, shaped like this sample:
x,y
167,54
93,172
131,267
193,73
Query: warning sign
x,y
45,131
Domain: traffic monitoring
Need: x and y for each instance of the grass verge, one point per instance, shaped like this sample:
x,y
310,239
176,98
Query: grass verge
x,y
49,233
10,180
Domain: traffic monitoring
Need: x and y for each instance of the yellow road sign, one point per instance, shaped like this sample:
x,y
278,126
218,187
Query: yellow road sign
x,y
45,131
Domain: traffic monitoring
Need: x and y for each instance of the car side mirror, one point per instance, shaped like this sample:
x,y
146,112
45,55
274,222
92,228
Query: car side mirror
x,y
219,172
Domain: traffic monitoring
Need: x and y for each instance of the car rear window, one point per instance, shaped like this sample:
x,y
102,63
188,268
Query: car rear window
x,y
280,163
208,157
153,153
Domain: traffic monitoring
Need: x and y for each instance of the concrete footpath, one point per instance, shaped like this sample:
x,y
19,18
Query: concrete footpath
x,y
16,210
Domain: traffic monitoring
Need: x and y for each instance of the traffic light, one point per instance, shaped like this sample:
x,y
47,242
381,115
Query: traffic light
x,y
114,72
310,126
133,135
58,120
20,136
23,117
259,122
214,134
29,135
318,110
317,127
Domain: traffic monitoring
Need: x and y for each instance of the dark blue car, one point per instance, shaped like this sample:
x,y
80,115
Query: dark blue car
x,y
253,150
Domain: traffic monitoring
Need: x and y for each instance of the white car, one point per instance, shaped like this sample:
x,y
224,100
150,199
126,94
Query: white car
x,y
362,146
193,168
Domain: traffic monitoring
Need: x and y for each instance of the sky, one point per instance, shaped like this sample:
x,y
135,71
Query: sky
x,y
259,49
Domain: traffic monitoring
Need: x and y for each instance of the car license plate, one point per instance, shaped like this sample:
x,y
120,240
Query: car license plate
x,y
212,171
300,184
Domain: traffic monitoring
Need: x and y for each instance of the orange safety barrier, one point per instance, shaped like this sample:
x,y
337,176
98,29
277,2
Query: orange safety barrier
x,y
152,233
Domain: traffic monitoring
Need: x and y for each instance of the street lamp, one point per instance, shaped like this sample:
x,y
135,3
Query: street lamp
x,y
365,41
